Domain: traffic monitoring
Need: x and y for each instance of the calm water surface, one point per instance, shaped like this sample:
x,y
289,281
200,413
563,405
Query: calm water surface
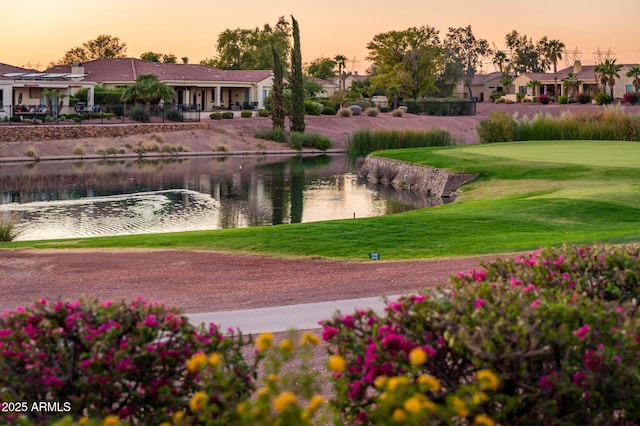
x,y
82,199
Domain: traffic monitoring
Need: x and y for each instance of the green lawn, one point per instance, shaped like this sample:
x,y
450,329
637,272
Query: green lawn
x,y
528,194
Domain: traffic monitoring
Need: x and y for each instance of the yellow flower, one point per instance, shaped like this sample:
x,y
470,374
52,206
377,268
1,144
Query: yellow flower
x,y
417,356
394,382
241,408
459,406
214,359
380,381
111,420
196,362
272,377
488,380
282,401
286,345
308,337
414,404
399,415
83,421
482,420
165,424
316,402
177,416
479,397
337,363
264,341
198,401
431,382
430,406
262,392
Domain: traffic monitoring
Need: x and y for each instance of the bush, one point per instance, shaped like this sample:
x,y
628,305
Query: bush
x,y
544,99
140,114
128,359
328,111
215,116
545,343
630,97
313,108
246,114
174,115
563,99
372,112
520,97
500,101
227,115
263,113
276,134
500,127
603,98
8,230
355,110
365,141
344,112
497,95
309,140
397,112
361,102
584,98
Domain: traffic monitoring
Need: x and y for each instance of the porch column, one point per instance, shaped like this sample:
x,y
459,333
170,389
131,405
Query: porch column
x,y
218,90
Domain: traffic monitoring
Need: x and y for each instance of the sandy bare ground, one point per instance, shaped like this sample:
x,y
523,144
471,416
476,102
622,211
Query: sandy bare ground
x,y
199,281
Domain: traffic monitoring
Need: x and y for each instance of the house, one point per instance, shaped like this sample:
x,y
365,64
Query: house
x,y
199,86
350,78
32,92
482,87
328,87
586,73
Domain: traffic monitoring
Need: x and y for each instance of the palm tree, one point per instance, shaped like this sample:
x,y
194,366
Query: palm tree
x,y
571,83
533,84
608,71
506,81
553,51
500,58
341,60
149,90
635,73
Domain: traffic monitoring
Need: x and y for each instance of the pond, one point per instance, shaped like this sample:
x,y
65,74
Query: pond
x,y
100,198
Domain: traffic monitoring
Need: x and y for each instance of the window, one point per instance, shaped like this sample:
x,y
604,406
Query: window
x,y
629,88
522,90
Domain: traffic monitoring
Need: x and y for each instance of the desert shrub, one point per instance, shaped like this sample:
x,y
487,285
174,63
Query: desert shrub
x,y
263,113
372,112
79,150
364,141
157,137
8,227
545,343
215,116
500,101
630,97
246,114
328,111
603,98
309,140
544,99
140,114
397,112
497,95
355,110
361,102
276,134
31,152
313,108
563,99
584,98
128,359
227,115
500,127
295,144
174,115
344,112
519,97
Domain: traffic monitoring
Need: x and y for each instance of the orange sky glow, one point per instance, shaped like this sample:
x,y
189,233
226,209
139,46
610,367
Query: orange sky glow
x,y
44,30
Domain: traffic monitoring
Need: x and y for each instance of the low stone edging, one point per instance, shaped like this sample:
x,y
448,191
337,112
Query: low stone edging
x,y
17,133
413,177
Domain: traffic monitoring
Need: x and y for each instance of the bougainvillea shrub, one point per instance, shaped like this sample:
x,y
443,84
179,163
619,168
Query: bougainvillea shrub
x,y
564,355
102,358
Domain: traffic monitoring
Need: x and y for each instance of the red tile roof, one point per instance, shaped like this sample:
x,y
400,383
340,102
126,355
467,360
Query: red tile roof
x,y
6,68
126,70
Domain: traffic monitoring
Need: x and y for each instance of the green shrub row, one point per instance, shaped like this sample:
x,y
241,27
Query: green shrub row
x,y
610,123
440,107
296,140
364,141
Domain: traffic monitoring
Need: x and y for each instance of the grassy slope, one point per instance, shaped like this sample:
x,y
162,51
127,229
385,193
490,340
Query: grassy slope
x,y
528,195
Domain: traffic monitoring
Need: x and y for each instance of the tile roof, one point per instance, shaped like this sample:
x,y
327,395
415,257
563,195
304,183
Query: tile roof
x,y
126,70
480,79
6,68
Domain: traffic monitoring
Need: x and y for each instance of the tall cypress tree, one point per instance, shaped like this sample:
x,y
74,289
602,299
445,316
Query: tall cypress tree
x,y
297,82
277,93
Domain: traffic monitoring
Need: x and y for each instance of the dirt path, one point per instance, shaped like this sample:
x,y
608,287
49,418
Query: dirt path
x,y
207,281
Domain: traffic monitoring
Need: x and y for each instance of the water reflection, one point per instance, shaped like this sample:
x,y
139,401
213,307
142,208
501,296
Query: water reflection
x,y
65,199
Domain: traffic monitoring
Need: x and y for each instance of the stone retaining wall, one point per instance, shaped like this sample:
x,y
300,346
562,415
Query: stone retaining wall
x,y
16,133
413,177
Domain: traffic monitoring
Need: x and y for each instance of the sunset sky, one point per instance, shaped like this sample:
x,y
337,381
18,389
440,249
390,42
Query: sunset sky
x,y
40,31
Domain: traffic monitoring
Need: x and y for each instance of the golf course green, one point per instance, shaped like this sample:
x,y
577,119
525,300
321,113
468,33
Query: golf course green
x,y
528,194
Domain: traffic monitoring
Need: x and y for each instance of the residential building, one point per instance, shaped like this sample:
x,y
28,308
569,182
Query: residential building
x,y
482,87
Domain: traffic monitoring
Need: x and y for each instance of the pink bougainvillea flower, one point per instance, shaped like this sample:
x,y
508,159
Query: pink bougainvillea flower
x,y
479,303
536,303
582,332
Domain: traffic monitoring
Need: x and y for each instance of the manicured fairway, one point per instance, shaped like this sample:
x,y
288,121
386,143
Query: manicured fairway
x,y
528,195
